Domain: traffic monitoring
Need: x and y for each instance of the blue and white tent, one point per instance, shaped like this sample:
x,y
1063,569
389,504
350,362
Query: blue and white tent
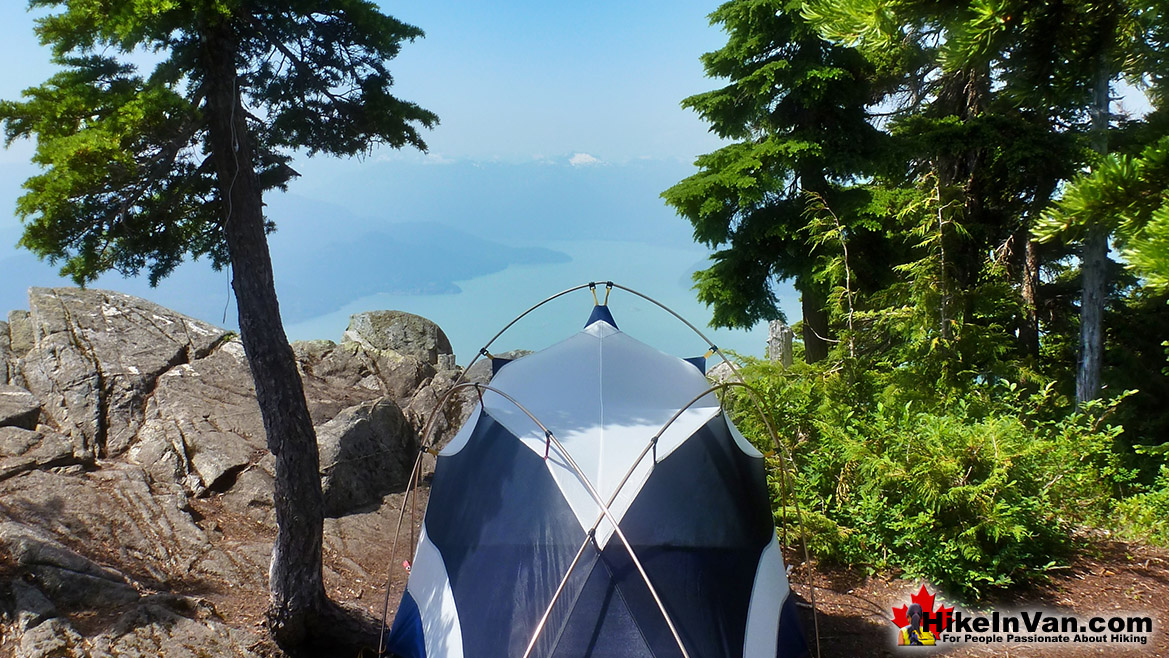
x,y
519,555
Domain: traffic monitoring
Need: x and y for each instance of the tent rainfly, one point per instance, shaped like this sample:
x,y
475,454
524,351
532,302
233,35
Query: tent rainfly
x,y
598,502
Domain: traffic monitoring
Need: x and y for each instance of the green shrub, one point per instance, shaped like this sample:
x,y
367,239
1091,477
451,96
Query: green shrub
x,y
1146,515
977,490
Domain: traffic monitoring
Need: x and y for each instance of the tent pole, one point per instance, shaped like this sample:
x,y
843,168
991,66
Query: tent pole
x,y
604,510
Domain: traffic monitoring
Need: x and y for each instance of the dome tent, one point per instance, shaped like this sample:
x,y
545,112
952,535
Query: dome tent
x,y
598,502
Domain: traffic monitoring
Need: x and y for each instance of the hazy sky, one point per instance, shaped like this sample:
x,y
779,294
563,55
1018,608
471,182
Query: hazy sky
x,y
592,90
516,80
588,83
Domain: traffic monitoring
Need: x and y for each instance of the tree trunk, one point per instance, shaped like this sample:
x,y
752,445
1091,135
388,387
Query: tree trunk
x,y
813,299
815,329
1093,271
297,587
1029,326
1094,257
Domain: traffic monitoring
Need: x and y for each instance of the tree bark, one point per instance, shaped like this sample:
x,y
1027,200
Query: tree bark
x,y
815,327
1029,326
1094,256
297,588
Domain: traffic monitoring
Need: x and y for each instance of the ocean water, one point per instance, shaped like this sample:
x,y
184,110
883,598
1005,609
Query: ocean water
x,y
486,304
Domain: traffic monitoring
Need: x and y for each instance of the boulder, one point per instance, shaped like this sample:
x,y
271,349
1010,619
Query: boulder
x,y
96,358
366,452
481,372
721,373
335,378
361,371
18,408
448,418
401,332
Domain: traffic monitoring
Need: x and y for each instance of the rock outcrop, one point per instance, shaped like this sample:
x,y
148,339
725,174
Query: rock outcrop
x,y
397,331
135,482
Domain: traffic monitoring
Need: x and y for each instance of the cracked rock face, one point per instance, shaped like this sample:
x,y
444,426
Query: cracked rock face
x,y
96,357
136,484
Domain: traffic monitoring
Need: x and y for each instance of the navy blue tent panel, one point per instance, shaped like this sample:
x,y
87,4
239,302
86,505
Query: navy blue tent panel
x,y
406,637
791,636
494,512
601,623
601,313
702,562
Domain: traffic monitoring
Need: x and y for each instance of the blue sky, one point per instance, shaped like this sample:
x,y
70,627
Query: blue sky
x,y
560,126
519,80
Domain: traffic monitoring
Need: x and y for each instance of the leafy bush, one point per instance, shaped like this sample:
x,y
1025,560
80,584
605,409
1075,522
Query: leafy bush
x,y
977,490
1146,515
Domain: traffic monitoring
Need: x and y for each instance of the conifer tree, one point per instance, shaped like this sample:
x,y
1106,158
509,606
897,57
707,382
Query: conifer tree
x,y
794,105
143,169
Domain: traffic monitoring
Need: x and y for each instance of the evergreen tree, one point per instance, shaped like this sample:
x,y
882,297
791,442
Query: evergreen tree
x,y
1003,102
794,105
142,170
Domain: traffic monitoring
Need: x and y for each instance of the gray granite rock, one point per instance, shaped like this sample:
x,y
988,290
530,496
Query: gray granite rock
x,y
7,359
145,471
367,451
20,333
30,606
55,638
18,408
64,577
164,626
202,425
144,526
23,450
401,332
97,356
158,630
439,414
360,373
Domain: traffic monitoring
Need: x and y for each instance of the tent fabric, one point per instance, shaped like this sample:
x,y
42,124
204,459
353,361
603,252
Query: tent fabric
x,y
508,514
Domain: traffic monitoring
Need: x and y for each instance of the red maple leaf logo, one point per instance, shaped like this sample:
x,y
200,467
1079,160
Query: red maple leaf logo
x,y
926,601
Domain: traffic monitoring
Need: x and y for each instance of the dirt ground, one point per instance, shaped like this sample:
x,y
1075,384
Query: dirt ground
x,y
854,612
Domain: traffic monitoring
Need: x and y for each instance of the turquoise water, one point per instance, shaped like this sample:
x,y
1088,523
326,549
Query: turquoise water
x,y
487,303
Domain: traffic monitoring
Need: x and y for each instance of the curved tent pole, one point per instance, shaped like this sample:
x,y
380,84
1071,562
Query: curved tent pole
x,y
604,510
617,491
600,517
